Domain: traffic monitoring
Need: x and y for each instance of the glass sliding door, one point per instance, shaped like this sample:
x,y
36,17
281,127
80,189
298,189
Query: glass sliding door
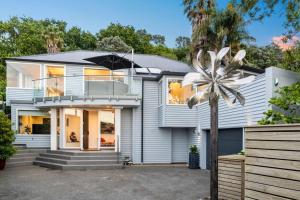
x,y
72,128
107,129
55,81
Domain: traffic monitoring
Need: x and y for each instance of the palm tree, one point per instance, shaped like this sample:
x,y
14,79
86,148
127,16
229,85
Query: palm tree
x,y
54,39
199,13
219,80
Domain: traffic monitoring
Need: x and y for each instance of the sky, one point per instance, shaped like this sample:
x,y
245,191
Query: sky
x,y
163,17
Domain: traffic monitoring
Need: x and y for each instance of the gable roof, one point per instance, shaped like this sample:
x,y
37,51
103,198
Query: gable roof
x,y
77,57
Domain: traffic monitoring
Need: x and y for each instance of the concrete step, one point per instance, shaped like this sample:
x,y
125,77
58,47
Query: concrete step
x,y
24,155
19,151
85,153
76,162
18,164
77,167
81,157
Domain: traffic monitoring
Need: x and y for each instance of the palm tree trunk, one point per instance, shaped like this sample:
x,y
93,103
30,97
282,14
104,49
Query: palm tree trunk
x,y
214,148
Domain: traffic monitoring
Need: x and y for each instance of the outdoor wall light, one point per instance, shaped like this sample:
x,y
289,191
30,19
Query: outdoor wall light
x,y
276,82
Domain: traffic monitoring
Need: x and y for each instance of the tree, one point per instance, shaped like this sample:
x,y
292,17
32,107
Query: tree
x,y
285,107
183,46
158,39
54,38
7,136
263,57
139,40
219,80
199,13
75,38
162,50
291,59
182,42
115,44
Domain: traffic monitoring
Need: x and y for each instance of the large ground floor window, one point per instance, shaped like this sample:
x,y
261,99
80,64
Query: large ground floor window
x,y
33,122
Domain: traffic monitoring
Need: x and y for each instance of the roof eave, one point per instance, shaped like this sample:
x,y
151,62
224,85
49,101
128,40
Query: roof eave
x,y
48,61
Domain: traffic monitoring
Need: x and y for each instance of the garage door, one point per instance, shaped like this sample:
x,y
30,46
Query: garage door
x,y
230,141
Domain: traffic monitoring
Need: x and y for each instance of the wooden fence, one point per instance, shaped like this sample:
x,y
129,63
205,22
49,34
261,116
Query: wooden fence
x,y
231,177
272,162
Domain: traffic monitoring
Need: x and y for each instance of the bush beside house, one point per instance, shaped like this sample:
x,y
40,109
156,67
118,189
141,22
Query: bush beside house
x,y
7,137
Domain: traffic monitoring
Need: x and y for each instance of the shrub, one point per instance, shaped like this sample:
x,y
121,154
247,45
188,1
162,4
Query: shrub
x,y
7,136
193,149
285,107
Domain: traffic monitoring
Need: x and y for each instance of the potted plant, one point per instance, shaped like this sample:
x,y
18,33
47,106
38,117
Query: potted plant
x,y
194,157
7,136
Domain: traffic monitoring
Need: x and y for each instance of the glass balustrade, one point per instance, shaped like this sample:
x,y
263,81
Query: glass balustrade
x,y
88,86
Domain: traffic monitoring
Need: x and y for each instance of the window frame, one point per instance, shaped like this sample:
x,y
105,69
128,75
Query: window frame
x,y
20,85
45,67
167,91
17,121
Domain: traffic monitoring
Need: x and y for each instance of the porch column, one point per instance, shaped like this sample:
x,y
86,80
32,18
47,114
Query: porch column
x,y
118,129
53,126
62,128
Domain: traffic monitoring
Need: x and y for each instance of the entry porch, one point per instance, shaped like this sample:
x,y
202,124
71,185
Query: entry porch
x,y
85,129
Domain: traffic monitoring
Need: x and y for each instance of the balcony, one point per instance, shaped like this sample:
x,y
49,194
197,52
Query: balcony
x,y
87,89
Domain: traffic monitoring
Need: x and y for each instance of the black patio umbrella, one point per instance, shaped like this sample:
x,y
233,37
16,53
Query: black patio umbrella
x,y
113,61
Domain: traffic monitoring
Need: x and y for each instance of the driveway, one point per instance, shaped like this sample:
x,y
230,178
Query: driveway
x,y
137,182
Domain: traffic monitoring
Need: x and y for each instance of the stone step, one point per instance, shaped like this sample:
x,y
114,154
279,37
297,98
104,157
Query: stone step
x,y
76,162
77,167
85,153
81,157
18,164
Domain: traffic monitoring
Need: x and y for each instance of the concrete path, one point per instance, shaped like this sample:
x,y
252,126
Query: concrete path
x,y
137,182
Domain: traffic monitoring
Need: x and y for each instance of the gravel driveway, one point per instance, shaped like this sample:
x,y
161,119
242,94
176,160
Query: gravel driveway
x,y
136,182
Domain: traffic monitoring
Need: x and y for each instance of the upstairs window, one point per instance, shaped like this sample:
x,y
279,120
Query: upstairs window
x,y
178,95
21,75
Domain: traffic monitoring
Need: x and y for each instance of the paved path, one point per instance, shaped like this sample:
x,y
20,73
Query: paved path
x,y
140,183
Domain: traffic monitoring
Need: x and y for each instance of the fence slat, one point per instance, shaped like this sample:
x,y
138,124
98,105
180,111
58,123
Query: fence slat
x,y
272,162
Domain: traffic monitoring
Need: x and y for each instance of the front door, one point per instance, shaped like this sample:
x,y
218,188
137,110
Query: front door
x,y
85,129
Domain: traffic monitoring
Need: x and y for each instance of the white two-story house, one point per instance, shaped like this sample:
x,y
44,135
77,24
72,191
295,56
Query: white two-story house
x,y
63,101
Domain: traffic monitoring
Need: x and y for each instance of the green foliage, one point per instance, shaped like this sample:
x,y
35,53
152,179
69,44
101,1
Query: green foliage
x,y
291,59
158,39
162,50
76,39
263,57
194,149
183,48
285,107
137,39
7,136
115,44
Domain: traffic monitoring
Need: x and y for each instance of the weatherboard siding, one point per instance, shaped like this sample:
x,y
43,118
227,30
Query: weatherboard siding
x,y
74,80
126,132
33,141
179,116
239,116
18,94
157,141
136,134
